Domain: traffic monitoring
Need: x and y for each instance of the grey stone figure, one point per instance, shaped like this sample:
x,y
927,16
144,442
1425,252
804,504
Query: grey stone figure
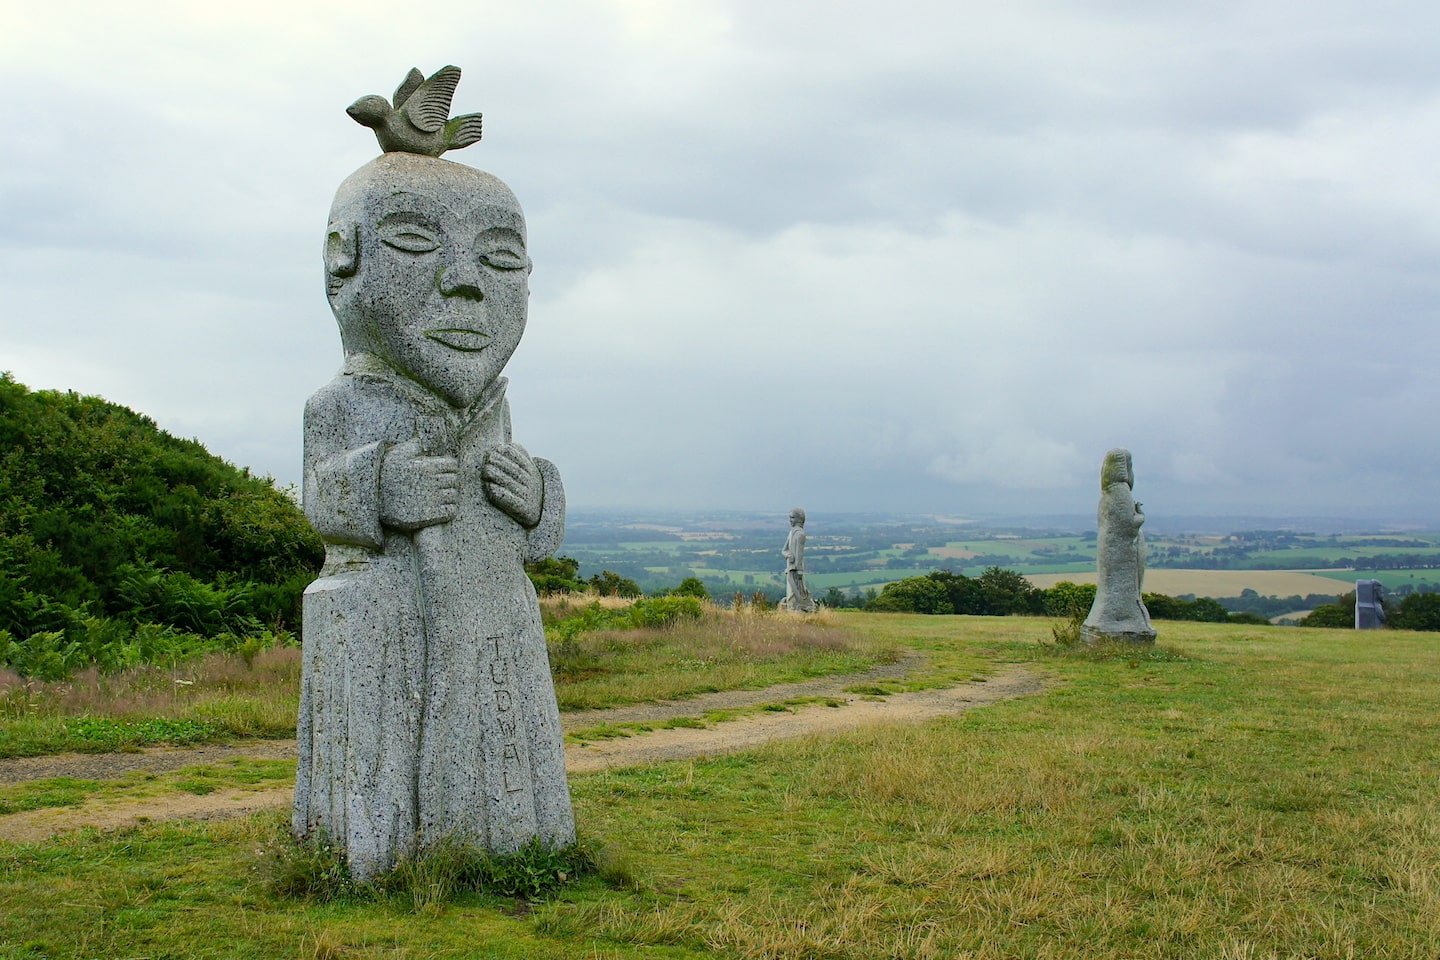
x,y
1369,605
427,712
797,596
1118,613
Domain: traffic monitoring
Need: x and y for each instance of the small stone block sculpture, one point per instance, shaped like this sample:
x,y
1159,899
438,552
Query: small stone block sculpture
x,y
1118,613
427,713
797,595
1369,605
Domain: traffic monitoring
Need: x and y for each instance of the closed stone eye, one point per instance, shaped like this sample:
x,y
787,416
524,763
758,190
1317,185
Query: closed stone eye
x,y
410,241
505,259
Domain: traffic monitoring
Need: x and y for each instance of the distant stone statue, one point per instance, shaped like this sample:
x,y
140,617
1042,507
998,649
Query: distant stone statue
x,y
1369,605
1118,613
797,596
427,711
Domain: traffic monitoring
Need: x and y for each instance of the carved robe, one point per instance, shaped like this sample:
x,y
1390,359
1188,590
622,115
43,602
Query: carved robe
x,y
427,709
797,595
1118,611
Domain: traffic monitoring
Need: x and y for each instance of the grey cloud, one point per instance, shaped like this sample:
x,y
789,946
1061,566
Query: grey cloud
x,y
933,257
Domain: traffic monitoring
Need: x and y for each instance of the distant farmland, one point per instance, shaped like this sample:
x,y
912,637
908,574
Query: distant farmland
x,y
1219,583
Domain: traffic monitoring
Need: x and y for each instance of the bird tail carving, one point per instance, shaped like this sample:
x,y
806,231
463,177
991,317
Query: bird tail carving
x,y
462,131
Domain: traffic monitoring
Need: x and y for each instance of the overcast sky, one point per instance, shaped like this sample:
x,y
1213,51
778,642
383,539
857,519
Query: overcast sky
x,y
912,256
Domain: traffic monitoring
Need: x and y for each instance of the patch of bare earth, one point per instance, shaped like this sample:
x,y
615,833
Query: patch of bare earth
x,y
742,733
757,729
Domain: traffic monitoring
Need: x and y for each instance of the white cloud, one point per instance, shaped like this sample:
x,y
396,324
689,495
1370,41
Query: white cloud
x,y
937,256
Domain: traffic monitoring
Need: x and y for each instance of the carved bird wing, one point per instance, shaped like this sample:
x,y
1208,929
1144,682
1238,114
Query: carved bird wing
x,y
412,81
428,107
462,131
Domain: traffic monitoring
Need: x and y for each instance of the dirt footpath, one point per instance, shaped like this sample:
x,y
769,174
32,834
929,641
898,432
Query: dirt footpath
x,y
757,729
742,733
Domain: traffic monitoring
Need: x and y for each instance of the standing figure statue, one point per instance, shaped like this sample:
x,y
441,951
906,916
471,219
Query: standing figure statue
x,y
797,597
1369,605
1118,613
427,712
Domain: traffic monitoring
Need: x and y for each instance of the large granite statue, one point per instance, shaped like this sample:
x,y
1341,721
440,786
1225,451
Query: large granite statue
x,y
1118,613
427,712
797,596
1369,605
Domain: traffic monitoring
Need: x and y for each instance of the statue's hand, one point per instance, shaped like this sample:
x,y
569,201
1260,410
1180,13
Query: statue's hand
x,y
417,491
512,482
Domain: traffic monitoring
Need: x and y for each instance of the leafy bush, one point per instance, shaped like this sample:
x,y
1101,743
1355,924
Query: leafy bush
x,y
1063,599
651,612
1418,611
912,595
663,611
610,584
1195,609
179,600
691,587
996,592
1338,614
555,575
1007,593
110,524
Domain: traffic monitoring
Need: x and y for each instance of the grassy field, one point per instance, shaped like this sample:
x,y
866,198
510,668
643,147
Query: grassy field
x,y
1218,583
1323,556
1239,793
223,696
1390,578
824,581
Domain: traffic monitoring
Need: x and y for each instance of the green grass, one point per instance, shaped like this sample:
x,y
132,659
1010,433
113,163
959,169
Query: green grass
x,y
216,697
629,728
239,773
1240,792
723,651
1392,579
1301,557
820,582
221,697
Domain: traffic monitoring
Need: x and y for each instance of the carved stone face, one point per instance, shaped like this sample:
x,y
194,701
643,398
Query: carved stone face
x,y
426,268
1117,468
797,517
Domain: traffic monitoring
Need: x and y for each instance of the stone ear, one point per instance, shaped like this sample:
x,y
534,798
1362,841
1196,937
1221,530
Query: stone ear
x,y
342,252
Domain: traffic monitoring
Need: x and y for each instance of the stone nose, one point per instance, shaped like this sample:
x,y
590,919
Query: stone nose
x,y
460,275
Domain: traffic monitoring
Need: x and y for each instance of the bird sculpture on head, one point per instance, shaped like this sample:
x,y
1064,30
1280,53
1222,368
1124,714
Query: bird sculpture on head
x,y
419,121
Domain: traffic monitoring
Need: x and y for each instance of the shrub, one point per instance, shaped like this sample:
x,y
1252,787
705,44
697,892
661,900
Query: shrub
x,y
556,575
1007,593
610,584
1338,614
663,611
1418,611
1063,599
1201,610
691,587
912,595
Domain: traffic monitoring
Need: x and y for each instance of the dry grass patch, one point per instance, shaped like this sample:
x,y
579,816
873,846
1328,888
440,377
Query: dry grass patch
x,y
723,650
214,696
